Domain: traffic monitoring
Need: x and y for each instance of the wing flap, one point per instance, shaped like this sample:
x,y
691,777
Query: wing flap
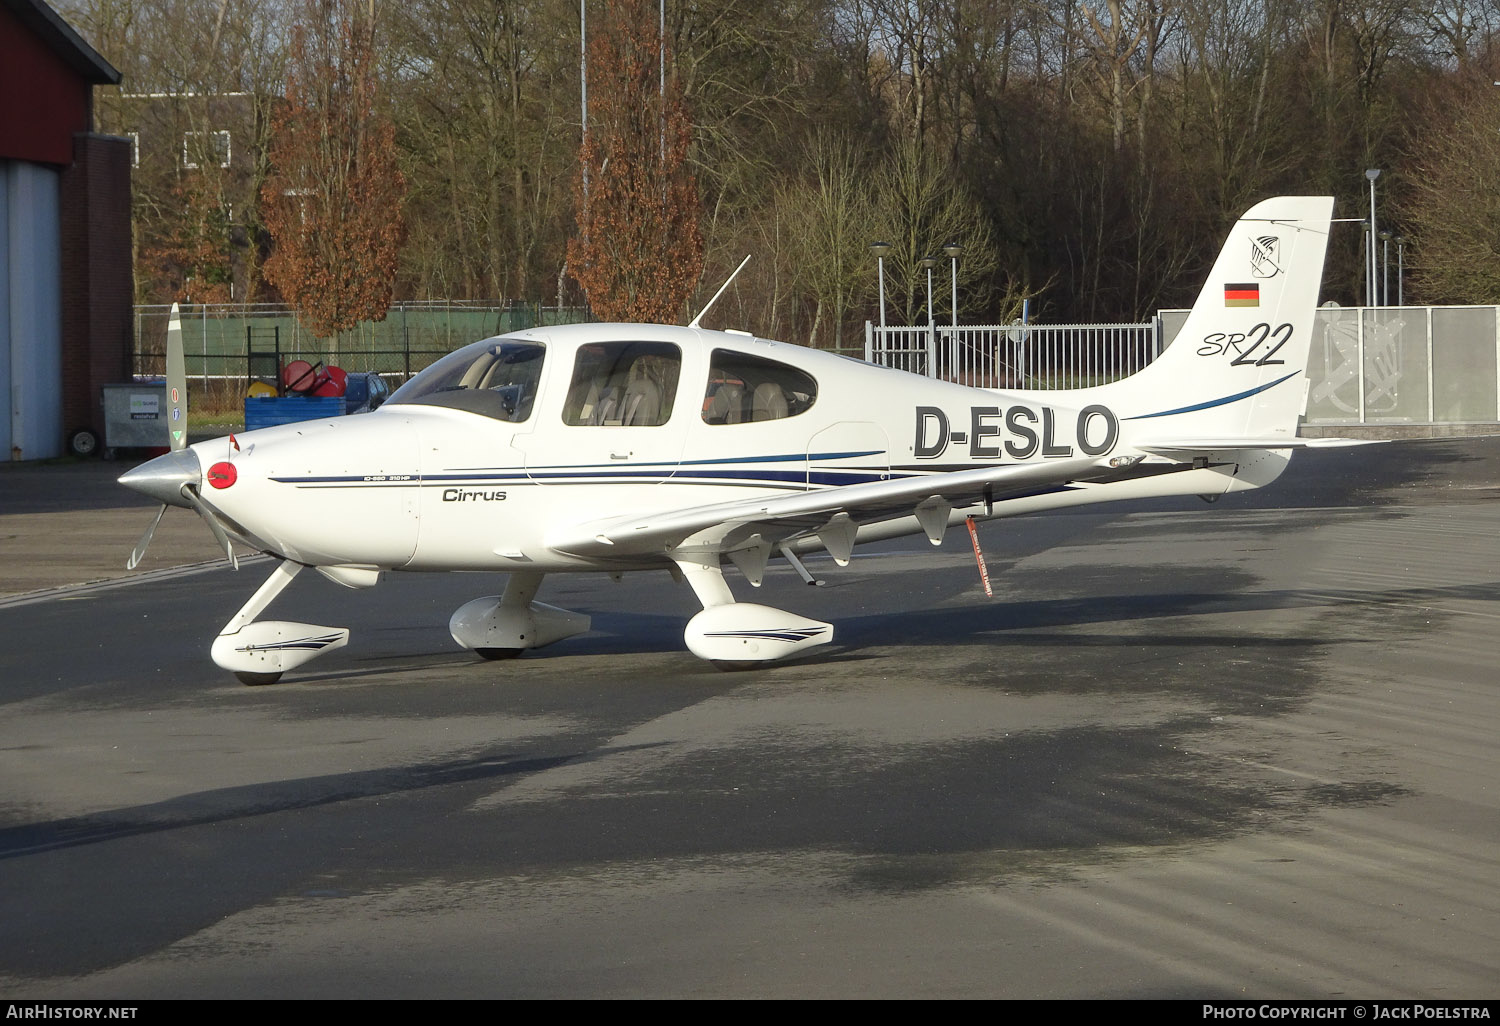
x,y
1178,447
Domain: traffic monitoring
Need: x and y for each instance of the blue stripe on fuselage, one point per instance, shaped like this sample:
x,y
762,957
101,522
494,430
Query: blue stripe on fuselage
x,y
685,472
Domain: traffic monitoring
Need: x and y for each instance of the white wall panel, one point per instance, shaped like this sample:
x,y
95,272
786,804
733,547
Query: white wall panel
x,y
32,307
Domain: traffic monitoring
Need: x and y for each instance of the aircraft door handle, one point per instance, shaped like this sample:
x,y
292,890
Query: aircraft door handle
x,y
619,455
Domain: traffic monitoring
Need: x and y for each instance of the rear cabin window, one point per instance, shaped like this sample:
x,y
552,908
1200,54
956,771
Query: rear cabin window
x,y
495,378
623,384
743,389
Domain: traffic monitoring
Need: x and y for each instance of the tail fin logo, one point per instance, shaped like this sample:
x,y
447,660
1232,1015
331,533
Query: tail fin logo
x,y
1265,256
1245,293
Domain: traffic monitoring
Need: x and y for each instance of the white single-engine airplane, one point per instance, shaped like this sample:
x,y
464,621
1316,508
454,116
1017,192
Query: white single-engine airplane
x,y
615,447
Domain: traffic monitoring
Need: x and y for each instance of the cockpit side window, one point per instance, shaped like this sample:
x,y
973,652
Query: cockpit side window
x,y
744,389
495,378
623,384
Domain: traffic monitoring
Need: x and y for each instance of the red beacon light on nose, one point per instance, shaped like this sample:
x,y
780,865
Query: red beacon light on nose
x,y
222,475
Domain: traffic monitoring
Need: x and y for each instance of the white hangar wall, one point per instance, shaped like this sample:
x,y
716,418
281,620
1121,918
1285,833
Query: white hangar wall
x,y
31,421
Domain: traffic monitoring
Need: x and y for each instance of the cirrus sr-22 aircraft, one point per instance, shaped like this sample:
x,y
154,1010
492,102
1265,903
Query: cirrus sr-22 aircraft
x,y
623,447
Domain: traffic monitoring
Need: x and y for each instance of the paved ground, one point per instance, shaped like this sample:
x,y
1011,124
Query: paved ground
x,y
1234,751
70,523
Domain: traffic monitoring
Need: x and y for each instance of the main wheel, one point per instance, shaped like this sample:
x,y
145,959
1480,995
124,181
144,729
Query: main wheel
x,y
253,679
499,653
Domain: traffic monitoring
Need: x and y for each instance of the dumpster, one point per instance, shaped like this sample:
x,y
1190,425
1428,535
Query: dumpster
x,y
135,416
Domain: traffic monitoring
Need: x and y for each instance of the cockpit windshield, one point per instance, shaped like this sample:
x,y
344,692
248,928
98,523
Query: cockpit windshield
x,y
494,378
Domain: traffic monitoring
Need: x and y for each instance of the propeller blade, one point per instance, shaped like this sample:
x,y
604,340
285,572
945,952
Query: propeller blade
x,y
176,383
140,547
207,514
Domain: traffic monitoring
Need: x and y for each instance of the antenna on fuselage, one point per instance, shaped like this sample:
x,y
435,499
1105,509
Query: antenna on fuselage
x,y
719,293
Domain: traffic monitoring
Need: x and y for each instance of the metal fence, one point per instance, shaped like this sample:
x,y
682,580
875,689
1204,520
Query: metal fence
x,y
224,341
1042,356
1413,365
1369,365
1399,365
1405,365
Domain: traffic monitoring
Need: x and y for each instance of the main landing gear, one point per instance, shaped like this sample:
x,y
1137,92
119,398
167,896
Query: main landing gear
x,y
504,626
741,635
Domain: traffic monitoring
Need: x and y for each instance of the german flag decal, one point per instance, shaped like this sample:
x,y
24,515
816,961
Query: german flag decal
x,y
1242,294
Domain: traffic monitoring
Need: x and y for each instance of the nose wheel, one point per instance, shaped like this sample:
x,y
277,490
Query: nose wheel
x,y
258,652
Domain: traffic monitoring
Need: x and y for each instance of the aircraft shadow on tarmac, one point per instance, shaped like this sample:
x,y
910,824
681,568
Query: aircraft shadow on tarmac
x,y
1016,622
232,803
963,621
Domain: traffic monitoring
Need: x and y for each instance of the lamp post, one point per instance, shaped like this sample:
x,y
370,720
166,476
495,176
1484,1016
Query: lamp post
x,y
1385,268
1400,271
661,59
928,263
880,249
953,249
1372,174
583,87
1364,255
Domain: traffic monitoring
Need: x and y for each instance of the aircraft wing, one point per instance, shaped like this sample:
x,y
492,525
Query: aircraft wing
x,y
833,514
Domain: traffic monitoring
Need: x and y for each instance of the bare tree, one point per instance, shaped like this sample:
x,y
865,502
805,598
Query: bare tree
x,y
488,121
832,210
920,205
1454,214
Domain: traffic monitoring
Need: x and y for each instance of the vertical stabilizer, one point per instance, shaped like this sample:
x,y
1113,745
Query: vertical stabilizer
x,y
1237,369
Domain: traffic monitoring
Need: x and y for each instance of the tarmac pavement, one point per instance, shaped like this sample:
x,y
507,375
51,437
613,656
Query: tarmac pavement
x,y
70,522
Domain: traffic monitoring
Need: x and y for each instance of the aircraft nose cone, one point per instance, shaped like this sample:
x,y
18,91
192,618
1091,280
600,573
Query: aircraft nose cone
x,y
164,477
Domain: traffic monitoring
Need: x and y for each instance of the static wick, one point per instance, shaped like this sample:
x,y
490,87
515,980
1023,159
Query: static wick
x,y
984,573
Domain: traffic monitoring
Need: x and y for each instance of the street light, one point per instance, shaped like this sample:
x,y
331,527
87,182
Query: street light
x,y
583,88
1365,256
1385,268
928,263
1400,271
953,249
1372,174
880,249
661,59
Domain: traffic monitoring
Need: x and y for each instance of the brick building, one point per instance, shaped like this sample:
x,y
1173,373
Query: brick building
x,y
65,242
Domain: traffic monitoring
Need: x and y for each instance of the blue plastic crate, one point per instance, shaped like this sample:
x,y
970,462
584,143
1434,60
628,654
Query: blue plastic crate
x,y
264,411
